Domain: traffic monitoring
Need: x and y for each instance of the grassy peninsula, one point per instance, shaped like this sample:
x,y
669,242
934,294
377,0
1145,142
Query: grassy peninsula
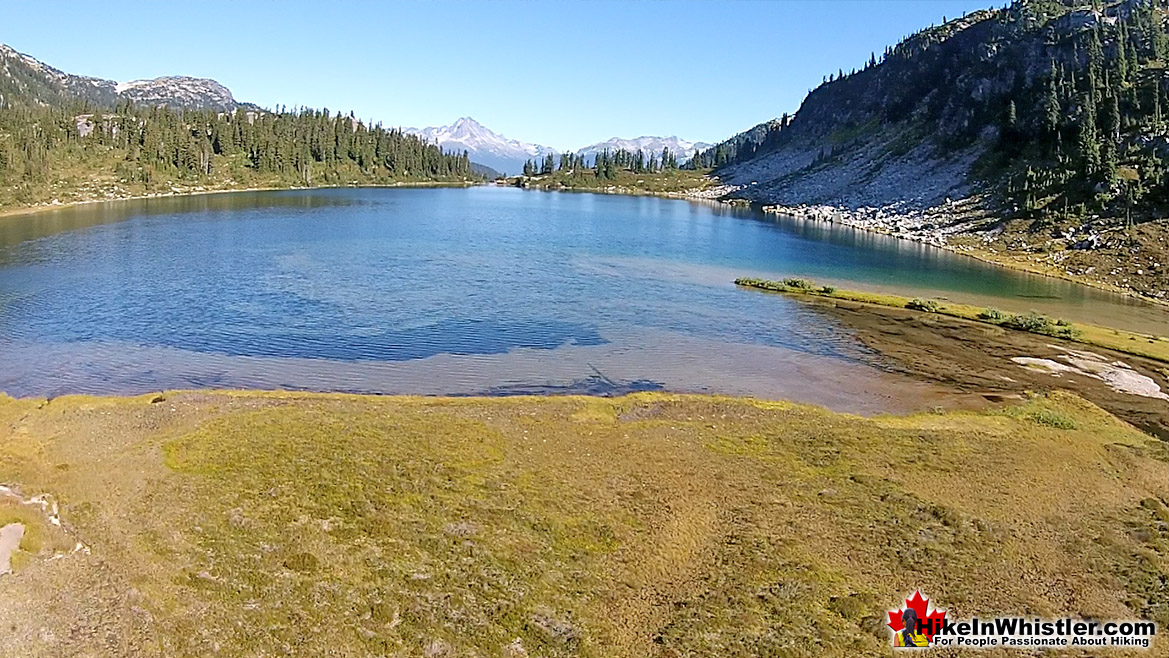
x,y
243,524
1146,345
623,178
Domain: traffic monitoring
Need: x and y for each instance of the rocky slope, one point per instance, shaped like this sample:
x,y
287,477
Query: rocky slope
x,y
29,79
179,91
1035,130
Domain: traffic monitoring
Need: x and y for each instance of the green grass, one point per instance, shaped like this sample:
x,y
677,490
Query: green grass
x,y
654,524
1043,415
1146,345
41,539
674,181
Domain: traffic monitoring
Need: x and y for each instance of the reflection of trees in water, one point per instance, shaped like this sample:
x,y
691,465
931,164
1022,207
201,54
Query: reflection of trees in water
x,y
22,228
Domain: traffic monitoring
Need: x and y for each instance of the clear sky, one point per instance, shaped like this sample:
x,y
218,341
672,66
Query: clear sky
x,y
564,74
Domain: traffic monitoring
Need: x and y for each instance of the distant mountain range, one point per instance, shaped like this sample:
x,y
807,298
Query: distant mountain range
x,y
31,79
484,146
505,155
679,147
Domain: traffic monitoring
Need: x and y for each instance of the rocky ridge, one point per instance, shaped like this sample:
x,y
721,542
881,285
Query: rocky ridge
x,y
924,144
25,77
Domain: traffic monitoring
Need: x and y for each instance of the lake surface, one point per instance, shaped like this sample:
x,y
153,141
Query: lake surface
x,y
465,291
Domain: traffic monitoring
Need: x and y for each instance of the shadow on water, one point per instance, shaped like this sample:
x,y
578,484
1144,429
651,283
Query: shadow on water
x,y
221,290
595,385
452,336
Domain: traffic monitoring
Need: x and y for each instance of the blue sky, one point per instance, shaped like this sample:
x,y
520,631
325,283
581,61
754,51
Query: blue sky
x,y
559,73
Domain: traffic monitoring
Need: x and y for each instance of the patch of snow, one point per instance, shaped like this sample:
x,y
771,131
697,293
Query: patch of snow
x,y
123,86
1119,376
1053,368
682,148
467,133
10,536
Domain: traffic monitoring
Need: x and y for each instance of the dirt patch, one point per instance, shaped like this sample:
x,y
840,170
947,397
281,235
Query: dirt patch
x,y
993,361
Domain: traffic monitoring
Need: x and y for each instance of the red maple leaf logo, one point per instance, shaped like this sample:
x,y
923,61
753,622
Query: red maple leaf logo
x,y
931,621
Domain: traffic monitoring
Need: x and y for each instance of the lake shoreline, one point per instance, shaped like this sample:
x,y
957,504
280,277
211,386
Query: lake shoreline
x,y
952,346
46,207
717,193
1095,335
1009,260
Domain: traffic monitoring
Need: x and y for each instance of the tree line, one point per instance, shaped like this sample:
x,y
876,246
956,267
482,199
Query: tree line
x,y
151,144
1071,109
1091,131
605,165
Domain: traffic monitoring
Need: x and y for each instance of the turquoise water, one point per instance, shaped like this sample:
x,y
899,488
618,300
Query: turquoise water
x,y
479,290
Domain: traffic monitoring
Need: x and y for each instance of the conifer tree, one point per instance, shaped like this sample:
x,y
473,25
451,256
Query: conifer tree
x,y
1052,113
1088,144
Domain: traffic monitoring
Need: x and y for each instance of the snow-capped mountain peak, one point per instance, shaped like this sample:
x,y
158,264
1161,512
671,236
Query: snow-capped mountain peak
x,y
508,155
649,144
482,144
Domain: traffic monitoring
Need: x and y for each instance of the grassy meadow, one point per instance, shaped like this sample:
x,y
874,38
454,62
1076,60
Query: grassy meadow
x,y
265,524
665,182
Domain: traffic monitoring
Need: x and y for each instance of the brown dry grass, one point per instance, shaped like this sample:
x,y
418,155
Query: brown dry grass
x,y
260,524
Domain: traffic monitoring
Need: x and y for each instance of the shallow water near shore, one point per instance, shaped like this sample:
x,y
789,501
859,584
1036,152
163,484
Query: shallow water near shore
x,y
468,291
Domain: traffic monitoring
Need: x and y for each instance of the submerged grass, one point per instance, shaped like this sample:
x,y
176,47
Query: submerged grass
x,y
1146,345
244,524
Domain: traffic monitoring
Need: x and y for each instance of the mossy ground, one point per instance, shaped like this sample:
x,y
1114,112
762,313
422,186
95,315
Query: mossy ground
x,y
248,524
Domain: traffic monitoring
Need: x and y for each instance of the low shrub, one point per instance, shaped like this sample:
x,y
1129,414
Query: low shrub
x,y
1033,322
1041,324
802,284
992,315
762,284
828,290
919,304
1052,418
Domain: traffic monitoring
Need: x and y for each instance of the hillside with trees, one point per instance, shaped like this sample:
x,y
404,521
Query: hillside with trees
x,y
58,145
1038,128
